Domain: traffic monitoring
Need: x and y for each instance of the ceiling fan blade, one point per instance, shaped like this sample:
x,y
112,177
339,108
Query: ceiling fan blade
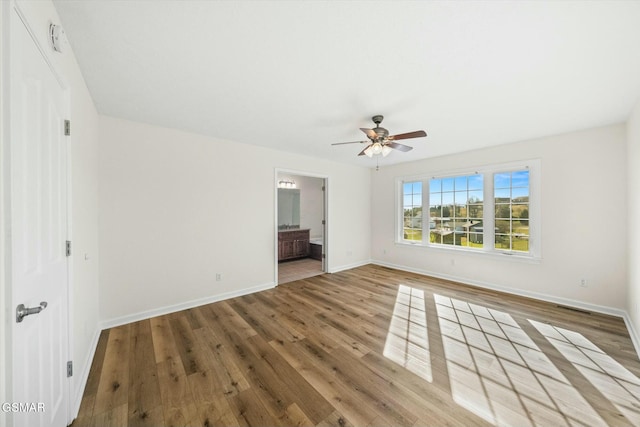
x,y
370,133
362,152
415,134
352,142
400,147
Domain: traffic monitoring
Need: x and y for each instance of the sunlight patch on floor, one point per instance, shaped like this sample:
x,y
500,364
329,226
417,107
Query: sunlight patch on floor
x,y
407,342
499,373
612,379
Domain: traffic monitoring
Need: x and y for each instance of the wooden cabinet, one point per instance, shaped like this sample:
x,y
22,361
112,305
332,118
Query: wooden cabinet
x,y
293,244
315,251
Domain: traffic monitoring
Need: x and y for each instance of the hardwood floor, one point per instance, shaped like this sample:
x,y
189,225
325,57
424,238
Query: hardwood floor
x,y
368,346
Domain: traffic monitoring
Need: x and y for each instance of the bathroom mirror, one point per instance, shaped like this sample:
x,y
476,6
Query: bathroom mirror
x,y
288,208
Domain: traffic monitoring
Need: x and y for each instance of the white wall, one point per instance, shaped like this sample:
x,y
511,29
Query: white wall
x,y
633,168
178,208
84,184
311,204
583,210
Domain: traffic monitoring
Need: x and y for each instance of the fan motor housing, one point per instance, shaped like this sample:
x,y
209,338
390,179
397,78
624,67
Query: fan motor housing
x,y
381,132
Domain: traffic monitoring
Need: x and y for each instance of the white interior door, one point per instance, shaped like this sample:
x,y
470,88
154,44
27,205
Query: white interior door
x,y
38,233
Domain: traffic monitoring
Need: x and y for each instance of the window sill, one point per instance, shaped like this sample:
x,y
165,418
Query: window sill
x,y
503,256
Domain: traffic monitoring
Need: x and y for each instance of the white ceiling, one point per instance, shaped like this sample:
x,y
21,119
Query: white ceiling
x,y
299,75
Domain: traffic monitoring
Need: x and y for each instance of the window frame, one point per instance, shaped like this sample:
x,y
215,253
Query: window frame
x,y
488,172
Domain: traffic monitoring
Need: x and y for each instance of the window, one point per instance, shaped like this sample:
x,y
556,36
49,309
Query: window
x,y
511,200
455,210
487,210
412,219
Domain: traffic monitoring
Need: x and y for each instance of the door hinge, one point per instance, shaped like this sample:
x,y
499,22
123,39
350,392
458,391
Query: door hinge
x,y
68,248
324,222
69,369
324,256
323,189
67,127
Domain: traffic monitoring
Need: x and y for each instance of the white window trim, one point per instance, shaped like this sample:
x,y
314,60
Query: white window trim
x,y
488,171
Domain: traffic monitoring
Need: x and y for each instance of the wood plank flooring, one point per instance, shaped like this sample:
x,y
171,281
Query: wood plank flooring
x,y
370,346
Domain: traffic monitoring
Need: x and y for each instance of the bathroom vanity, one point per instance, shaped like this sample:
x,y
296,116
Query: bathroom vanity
x,y
293,243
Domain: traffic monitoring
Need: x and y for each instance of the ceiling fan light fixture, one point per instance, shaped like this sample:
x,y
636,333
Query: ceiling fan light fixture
x,y
369,151
381,143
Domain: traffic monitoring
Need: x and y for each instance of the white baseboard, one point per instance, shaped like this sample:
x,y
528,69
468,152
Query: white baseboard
x,y
81,382
349,266
534,295
635,338
123,320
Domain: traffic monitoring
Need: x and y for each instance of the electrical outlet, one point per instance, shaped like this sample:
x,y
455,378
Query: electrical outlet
x,y
218,277
583,283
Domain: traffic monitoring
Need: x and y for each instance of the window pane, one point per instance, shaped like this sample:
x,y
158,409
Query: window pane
x,y
512,210
447,198
413,234
460,197
520,194
475,197
503,211
520,179
412,213
521,228
454,209
475,212
447,184
520,211
475,240
503,195
447,236
475,182
520,244
502,180
502,241
435,185
447,211
503,226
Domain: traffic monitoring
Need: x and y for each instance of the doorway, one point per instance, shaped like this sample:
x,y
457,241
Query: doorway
x,y
301,226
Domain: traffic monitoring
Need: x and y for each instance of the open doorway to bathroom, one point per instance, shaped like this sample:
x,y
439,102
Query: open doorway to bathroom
x,y
301,226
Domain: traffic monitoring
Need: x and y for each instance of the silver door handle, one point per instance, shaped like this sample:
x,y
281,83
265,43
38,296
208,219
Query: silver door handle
x,y
22,311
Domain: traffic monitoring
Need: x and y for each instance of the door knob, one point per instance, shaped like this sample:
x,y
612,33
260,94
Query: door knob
x,y
22,311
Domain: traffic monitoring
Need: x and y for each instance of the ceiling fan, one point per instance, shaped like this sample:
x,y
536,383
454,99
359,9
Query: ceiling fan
x,y
380,142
